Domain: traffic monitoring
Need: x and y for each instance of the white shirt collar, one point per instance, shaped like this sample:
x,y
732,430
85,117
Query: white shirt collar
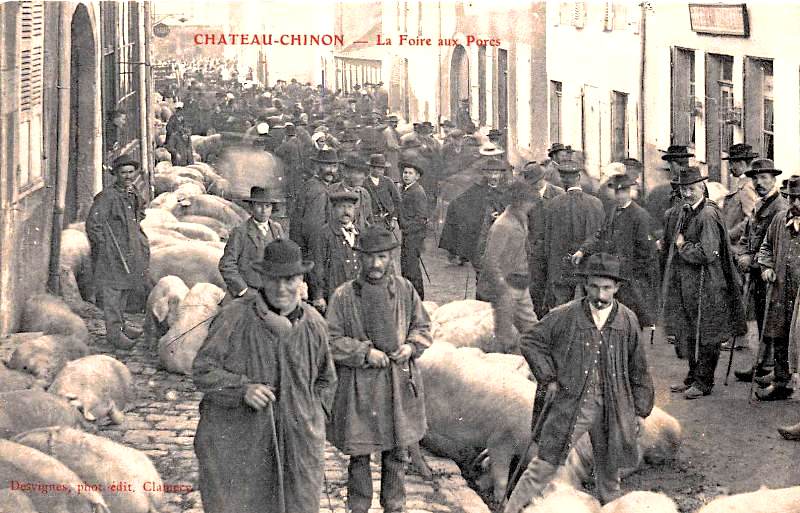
x,y
574,188
626,205
375,179
695,205
600,316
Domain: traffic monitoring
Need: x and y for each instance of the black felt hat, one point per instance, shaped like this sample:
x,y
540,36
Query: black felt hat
x,y
283,258
376,239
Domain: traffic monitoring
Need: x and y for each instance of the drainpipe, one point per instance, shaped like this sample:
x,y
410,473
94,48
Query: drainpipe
x,y
62,144
643,60
144,97
439,66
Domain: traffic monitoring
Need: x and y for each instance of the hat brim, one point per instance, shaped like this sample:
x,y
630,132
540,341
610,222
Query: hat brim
x,y
678,182
600,274
387,164
753,172
403,165
745,156
325,161
260,200
675,156
133,163
379,249
284,270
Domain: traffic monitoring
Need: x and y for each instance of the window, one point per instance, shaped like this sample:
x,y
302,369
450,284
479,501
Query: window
x,y
768,125
619,114
555,111
482,85
683,97
759,106
31,49
726,99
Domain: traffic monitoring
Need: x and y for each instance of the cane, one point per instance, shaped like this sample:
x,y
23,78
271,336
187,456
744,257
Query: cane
x,y
760,341
746,306
276,449
699,314
466,284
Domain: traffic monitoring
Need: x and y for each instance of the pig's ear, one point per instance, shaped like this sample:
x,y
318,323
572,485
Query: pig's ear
x,y
161,308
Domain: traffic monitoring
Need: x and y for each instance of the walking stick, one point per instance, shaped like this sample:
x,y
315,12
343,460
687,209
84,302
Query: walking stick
x,y
760,341
699,315
466,284
668,265
746,306
422,263
276,449
120,255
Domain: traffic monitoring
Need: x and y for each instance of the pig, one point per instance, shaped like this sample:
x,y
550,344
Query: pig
x,y
162,155
25,464
210,206
23,410
208,172
102,385
208,147
161,311
96,459
458,309
51,315
212,223
11,380
75,269
188,172
470,323
779,500
159,237
190,189
194,231
471,403
157,217
169,182
163,167
641,502
193,262
45,356
178,347
430,307
15,501
563,500
220,187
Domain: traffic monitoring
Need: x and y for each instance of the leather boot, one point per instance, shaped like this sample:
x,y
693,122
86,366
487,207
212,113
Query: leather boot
x,y
132,332
790,432
774,393
747,375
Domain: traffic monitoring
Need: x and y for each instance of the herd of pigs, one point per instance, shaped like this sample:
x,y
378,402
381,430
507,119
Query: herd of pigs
x,y
54,394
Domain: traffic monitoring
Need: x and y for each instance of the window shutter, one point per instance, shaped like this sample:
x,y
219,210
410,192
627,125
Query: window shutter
x,y
579,15
608,15
31,48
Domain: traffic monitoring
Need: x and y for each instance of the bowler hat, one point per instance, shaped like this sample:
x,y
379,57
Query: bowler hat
x,y
556,147
259,195
791,187
740,151
688,176
570,167
378,160
618,182
676,152
283,258
532,172
763,165
354,161
631,163
602,265
326,155
456,134
494,133
376,239
407,163
490,149
447,123
493,164
342,196
124,160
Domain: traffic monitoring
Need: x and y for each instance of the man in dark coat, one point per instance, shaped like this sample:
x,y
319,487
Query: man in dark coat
x,y
665,196
120,249
588,356
535,175
571,219
626,234
778,257
179,140
312,206
355,173
413,225
392,148
703,280
378,328
381,98
771,203
385,200
268,383
333,249
291,153
246,243
739,202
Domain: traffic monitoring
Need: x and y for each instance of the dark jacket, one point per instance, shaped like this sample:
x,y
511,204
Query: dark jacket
x,y
310,212
385,198
757,224
563,347
179,142
413,209
773,255
335,262
245,247
291,153
121,212
468,220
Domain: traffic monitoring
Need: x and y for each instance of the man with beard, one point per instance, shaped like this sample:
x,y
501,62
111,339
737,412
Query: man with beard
x,y
245,246
704,292
312,207
778,257
738,204
588,357
665,196
355,172
770,204
378,328
268,382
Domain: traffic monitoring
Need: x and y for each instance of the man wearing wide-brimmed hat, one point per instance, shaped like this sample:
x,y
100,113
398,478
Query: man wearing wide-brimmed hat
x,y
378,328
589,361
246,244
120,249
770,204
268,382
312,207
739,202
353,177
704,287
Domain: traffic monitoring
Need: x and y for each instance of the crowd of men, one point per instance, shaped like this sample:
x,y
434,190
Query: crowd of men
x,y
575,265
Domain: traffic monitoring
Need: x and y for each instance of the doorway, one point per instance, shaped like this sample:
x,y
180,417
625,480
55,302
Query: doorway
x,y
459,80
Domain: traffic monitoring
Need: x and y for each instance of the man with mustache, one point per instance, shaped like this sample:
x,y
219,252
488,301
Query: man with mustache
x,y
587,356
739,203
378,328
771,203
312,206
704,291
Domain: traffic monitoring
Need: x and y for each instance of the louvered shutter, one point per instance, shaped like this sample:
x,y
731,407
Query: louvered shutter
x,y
579,15
31,47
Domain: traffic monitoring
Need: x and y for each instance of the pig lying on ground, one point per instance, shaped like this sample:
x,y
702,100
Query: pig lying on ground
x,y
45,356
16,502
96,459
102,385
470,323
208,147
163,167
641,502
157,217
194,231
780,500
178,347
190,189
23,410
430,307
162,307
51,315
471,403
27,465
75,269
168,182
565,500
210,206
11,380
210,222
193,262
163,237
162,155
458,309
220,187
188,172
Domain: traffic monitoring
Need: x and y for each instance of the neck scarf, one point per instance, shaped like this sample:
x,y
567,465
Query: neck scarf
x,y
377,307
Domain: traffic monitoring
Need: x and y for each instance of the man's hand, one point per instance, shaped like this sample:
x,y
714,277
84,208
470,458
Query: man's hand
x,y
258,396
377,358
577,257
744,262
680,240
402,355
320,304
552,389
768,275
249,293
660,245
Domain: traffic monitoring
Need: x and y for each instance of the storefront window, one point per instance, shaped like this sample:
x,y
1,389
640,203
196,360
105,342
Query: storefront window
x,y
768,130
683,97
759,106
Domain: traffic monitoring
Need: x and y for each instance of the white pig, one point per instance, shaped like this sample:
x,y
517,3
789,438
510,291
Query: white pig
x,y
23,410
641,502
51,315
564,500
45,356
469,323
16,502
161,311
780,500
177,349
193,262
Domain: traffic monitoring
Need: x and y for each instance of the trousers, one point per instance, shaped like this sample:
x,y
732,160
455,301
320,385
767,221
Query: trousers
x,y
512,308
410,253
701,371
359,482
114,303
